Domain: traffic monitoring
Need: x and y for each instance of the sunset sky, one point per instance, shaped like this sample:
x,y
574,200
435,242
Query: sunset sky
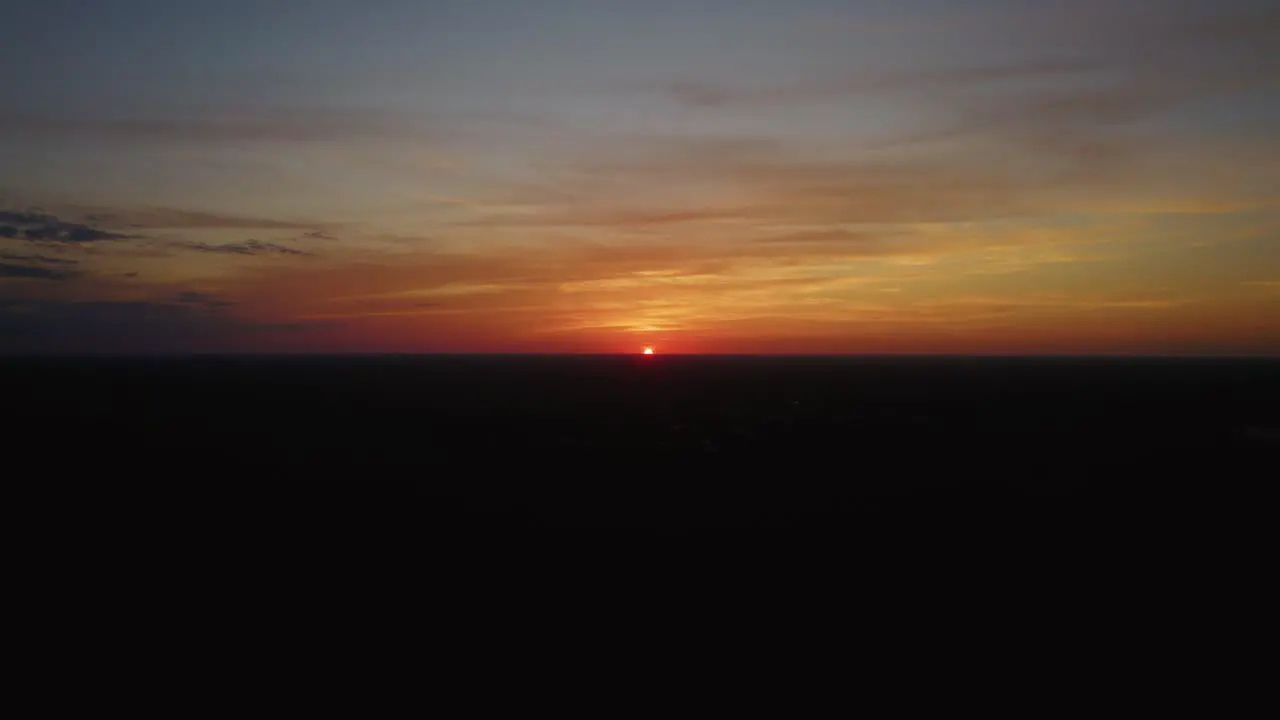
x,y
700,176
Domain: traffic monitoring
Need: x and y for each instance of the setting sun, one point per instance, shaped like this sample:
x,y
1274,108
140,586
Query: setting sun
x,y
960,184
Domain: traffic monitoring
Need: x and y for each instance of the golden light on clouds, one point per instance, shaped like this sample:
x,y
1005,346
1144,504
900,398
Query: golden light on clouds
x,y
1077,185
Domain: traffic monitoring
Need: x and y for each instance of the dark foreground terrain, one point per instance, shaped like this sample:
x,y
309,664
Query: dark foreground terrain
x,y
438,446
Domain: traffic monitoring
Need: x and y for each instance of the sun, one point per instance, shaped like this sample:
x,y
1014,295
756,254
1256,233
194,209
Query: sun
x,y
648,351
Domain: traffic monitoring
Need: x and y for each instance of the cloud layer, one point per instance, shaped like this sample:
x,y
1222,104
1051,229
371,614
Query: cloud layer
x,y
708,177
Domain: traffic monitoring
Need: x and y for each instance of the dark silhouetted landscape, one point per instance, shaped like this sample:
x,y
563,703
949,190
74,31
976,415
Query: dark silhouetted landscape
x,y
496,446
293,282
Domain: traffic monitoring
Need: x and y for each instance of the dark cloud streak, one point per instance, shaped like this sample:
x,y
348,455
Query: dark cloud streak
x,y
12,270
262,125
44,259
41,227
172,218
248,247
205,300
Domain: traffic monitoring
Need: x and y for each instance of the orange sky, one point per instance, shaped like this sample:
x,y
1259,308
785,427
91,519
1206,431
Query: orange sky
x,y
872,178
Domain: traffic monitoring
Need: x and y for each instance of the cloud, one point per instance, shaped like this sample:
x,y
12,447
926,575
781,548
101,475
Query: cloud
x,y
845,238
707,95
773,192
603,217
248,247
979,307
24,218
1031,135
584,290
230,125
36,267
1019,153
205,300
11,270
562,286
41,227
172,218
1152,60
43,259
1047,136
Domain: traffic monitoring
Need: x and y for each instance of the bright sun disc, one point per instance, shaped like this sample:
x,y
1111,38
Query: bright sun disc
x,y
648,351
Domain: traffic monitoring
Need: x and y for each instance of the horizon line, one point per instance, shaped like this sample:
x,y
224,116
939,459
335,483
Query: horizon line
x,y
650,358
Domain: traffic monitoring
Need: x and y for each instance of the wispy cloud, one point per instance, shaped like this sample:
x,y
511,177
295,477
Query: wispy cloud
x,y
12,270
602,217
248,247
1146,62
226,125
709,95
206,300
174,218
979,306
782,192
41,259
768,192
45,228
